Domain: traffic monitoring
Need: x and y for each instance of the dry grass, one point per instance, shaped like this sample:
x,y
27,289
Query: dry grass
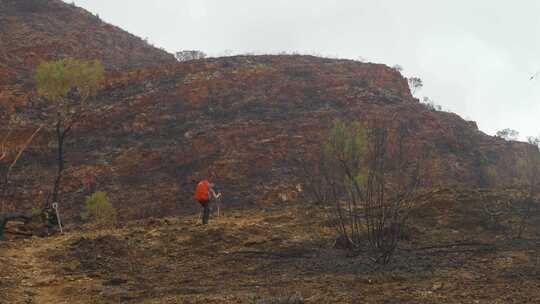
x,y
275,256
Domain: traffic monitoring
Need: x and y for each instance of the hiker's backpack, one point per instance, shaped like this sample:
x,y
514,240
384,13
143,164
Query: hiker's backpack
x,y
201,192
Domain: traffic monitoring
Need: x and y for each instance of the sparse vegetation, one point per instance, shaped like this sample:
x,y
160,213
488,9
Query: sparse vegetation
x,y
508,134
430,104
415,84
535,141
398,68
187,55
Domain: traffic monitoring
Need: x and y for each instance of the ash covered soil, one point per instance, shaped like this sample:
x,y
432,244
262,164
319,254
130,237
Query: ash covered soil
x,y
450,254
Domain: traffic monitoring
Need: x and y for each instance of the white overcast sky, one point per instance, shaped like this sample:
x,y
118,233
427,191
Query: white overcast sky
x,y
475,57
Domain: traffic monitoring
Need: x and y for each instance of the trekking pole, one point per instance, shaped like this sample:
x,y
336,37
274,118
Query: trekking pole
x,y
218,203
55,207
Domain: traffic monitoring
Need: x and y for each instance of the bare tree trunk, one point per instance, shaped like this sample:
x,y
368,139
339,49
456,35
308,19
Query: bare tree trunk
x,y
60,136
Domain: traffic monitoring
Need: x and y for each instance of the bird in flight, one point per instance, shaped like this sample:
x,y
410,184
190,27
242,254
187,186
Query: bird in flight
x,y
534,76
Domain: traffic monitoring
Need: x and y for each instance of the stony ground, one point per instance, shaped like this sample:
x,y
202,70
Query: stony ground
x,y
248,256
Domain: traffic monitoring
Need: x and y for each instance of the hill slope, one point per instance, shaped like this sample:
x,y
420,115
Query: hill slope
x,y
252,255
32,31
153,131
37,30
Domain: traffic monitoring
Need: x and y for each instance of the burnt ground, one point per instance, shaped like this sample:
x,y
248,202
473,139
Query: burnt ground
x,y
451,255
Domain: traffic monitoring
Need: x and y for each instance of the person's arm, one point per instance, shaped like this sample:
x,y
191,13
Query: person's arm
x,y
213,192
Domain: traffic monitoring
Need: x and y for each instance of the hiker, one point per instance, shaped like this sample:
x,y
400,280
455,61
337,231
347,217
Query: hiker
x,y
203,193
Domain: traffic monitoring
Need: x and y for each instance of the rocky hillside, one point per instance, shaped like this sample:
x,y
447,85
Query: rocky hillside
x,y
155,130
32,31
36,30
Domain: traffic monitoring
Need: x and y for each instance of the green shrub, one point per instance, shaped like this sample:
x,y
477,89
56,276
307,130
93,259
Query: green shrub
x,y
98,210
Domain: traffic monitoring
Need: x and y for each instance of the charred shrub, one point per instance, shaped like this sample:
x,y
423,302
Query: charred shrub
x,y
370,177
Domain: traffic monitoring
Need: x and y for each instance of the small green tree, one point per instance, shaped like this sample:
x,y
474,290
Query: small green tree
x,y
98,210
68,85
508,134
415,83
188,55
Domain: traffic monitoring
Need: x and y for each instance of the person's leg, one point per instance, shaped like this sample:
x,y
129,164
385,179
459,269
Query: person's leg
x,y
206,212
202,213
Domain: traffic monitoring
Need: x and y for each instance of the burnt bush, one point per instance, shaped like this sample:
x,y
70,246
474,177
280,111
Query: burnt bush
x,y
371,177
